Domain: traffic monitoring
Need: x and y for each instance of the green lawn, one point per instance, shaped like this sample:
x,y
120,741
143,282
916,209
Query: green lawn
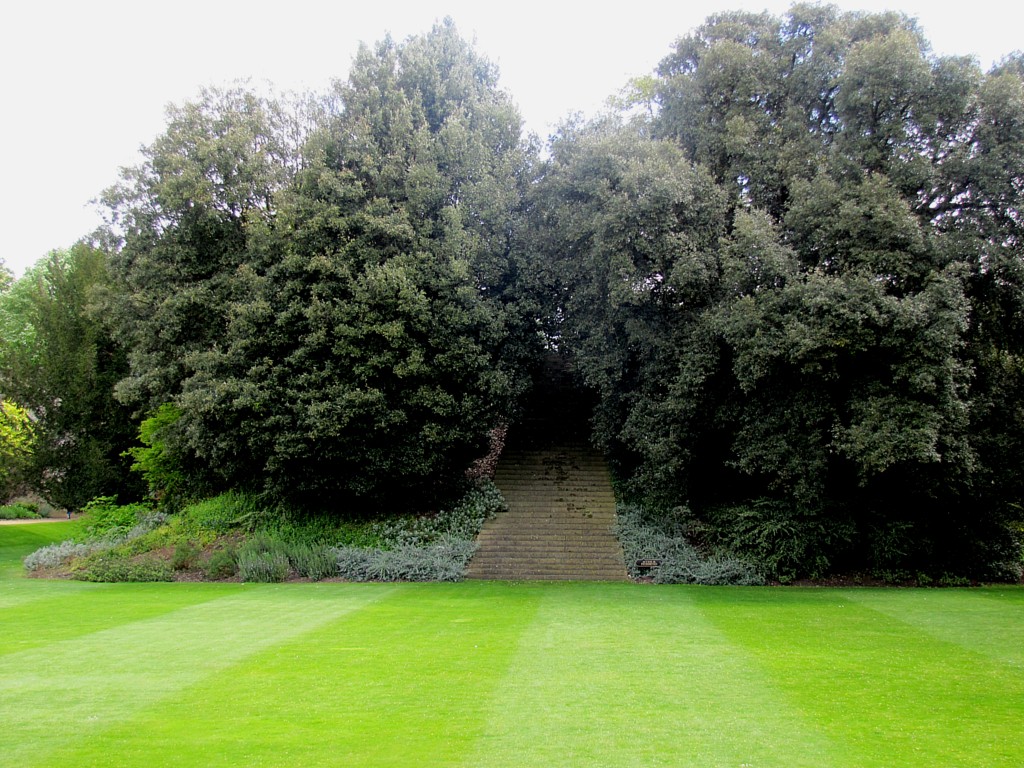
x,y
482,674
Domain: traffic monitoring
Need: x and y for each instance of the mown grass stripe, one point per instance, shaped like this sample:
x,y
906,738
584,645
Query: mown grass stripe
x,y
69,690
888,692
49,614
20,591
623,675
403,682
992,626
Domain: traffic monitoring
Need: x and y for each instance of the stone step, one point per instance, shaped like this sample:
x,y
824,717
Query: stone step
x,y
519,520
565,559
546,533
578,537
550,566
541,576
513,569
512,525
548,544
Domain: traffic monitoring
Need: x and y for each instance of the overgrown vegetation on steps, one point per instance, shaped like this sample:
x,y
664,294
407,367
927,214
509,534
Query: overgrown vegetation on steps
x,y
231,536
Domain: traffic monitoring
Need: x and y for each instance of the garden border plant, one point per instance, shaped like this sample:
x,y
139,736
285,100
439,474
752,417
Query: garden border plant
x,y
233,536
662,539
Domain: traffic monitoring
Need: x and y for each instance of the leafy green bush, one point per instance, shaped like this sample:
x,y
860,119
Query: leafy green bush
x,y
889,544
649,535
783,541
122,531
104,517
223,564
112,566
361,535
462,521
148,522
185,556
228,511
19,510
42,507
156,460
17,443
423,548
430,548
293,527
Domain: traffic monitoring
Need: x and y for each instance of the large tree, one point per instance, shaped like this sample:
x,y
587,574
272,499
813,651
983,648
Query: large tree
x,y
843,358
625,234
347,325
182,224
58,359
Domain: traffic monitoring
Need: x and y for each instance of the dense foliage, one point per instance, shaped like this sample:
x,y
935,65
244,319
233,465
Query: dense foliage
x,y
336,318
660,546
797,285
16,442
59,362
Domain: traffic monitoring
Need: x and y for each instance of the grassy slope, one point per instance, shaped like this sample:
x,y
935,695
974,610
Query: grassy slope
x,y
485,674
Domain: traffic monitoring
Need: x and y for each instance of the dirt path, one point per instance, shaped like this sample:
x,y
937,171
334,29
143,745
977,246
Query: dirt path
x,y
38,520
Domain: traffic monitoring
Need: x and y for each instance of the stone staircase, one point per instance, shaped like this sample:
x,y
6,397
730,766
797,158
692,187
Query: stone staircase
x,y
559,494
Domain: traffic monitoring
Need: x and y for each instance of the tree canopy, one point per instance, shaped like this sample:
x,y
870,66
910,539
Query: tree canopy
x,y
336,319
58,361
830,340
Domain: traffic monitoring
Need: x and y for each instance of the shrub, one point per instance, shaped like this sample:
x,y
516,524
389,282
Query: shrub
x,y
782,540
111,566
156,459
147,522
263,558
107,532
19,510
443,560
17,441
312,561
228,511
463,521
422,548
105,518
184,557
889,544
357,535
32,501
223,564
61,553
648,535
263,566
355,563
716,570
294,527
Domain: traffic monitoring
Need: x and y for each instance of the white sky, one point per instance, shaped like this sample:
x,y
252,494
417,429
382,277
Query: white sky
x,y
84,84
